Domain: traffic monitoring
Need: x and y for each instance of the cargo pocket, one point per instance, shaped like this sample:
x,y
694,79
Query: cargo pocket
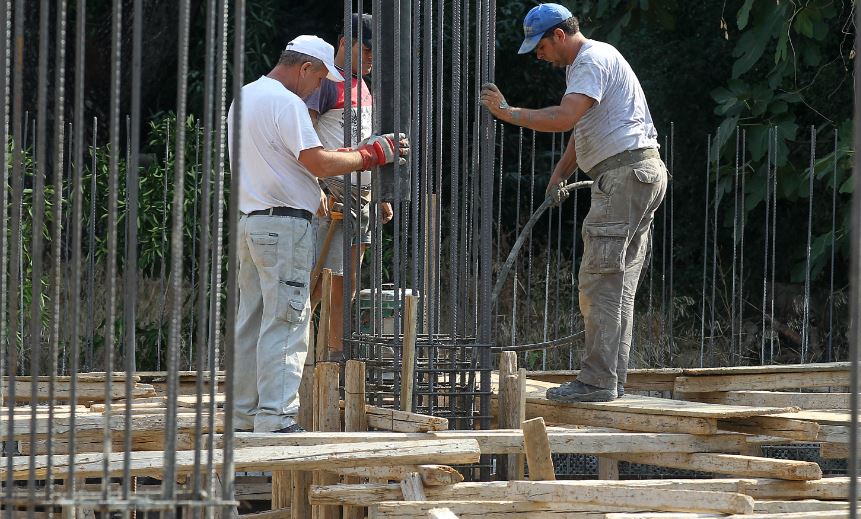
x,y
605,247
292,300
648,175
264,247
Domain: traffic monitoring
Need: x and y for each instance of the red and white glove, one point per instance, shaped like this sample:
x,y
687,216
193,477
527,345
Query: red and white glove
x,y
379,150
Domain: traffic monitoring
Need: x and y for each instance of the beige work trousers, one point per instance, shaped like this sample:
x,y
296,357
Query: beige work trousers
x,y
616,242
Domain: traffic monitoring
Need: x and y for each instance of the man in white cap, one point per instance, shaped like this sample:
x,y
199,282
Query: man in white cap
x,y
615,143
279,162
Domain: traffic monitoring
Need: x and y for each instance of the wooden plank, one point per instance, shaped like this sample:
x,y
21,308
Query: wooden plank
x,y
480,509
432,475
280,513
817,367
510,441
326,457
412,487
608,468
23,428
784,426
807,505
822,417
565,413
403,421
354,417
774,399
441,513
637,404
833,434
408,359
661,379
731,464
832,451
538,454
86,391
760,381
328,416
365,494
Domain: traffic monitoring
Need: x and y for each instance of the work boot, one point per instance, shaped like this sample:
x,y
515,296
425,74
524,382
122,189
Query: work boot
x,y
576,391
620,390
295,428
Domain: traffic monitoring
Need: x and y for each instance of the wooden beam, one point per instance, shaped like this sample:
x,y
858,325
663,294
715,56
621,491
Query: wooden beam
x,y
661,379
328,415
412,487
86,391
432,475
833,434
731,464
563,413
325,457
23,428
480,509
831,451
784,426
403,421
538,454
322,342
355,419
809,505
441,513
760,381
836,488
510,441
408,358
774,399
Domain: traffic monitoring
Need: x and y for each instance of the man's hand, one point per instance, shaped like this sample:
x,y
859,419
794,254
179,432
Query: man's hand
x,y
493,100
558,192
379,150
386,213
323,209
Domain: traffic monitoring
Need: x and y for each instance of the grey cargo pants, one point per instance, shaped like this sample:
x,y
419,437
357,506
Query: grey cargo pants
x,y
616,242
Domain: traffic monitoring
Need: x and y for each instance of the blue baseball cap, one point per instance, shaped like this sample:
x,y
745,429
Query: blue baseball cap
x,y
539,20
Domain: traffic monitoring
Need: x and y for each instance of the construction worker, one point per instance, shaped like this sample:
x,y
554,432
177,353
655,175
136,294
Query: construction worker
x,y
280,159
615,143
326,107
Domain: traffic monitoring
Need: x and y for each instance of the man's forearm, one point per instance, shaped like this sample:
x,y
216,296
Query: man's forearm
x,y
550,119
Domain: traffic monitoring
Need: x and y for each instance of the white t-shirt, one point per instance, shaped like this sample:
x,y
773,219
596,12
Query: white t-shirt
x,y
620,119
276,127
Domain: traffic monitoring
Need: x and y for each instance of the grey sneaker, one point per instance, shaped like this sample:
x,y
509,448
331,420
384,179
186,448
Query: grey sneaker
x,y
576,391
620,390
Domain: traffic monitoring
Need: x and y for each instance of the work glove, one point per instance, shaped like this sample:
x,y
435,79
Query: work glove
x,y
379,150
559,193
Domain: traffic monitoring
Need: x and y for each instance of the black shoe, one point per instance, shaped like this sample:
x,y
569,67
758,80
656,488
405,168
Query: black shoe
x,y
620,390
576,391
295,428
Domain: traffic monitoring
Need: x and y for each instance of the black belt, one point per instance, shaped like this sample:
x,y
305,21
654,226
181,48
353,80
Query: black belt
x,y
283,211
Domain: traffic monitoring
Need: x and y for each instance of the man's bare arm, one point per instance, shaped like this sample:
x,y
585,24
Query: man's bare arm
x,y
560,118
330,163
566,165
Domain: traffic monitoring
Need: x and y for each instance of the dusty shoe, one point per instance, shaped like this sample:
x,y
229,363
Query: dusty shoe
x,y
576,391
620,390
295,428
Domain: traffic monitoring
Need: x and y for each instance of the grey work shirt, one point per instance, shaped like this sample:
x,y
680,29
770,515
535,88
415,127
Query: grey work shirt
x,y
620,119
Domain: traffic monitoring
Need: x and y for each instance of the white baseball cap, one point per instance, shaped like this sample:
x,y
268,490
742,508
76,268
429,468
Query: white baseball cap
x,y
317,48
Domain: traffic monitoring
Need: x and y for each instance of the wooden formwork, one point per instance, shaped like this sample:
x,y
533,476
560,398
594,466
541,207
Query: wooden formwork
x,y
386,463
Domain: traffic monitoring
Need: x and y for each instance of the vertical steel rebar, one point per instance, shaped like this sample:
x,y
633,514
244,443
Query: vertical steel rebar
x,y
805,326
765,249
705,250
36,243
829,357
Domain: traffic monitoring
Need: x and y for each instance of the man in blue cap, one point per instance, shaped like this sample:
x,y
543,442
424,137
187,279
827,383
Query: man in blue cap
x,y
615,143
